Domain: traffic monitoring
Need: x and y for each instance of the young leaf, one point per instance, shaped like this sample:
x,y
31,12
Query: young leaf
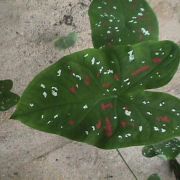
x,y
7,98
91,96
66,41
168,149
120,22
154,177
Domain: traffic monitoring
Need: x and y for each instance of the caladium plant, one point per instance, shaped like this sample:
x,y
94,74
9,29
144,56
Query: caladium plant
x,y
120,22
7,98
91,96
100,96
167,149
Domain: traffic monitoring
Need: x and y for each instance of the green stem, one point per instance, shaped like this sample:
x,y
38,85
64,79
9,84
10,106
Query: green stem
x,y
119,153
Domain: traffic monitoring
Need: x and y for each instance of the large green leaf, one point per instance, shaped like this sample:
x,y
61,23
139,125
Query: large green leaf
x,y
91,96
168,149
122,22
7,98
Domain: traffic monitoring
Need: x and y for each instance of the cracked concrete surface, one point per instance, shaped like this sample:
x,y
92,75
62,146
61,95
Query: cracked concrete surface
x,y
28,28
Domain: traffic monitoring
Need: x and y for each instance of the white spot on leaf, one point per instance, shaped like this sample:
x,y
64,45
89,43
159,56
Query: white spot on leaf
x,y
43,86
59,72
44,94
85,106
128,113
131,56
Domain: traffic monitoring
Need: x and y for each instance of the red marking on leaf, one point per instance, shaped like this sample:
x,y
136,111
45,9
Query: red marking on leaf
x,y
99,125
108,129
71,122
156,60
106,106
73,90
164,119
117,77
123,124
87,80
140,70
107,85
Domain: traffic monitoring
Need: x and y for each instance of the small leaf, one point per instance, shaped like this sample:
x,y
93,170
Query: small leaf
x,y
154,177
91,96
167,149
7,98
66,41
120,22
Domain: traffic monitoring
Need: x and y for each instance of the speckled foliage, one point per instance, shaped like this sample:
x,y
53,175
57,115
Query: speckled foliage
x,y
122,22
91,96
7,98
168,149
99,96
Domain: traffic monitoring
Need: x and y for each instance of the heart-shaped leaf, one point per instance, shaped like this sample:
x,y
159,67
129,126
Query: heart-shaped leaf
x,y
122,22
7,98
91,96
66,41
154,177
168,149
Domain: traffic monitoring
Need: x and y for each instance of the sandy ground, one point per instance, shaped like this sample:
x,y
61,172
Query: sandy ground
x,y
27,31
